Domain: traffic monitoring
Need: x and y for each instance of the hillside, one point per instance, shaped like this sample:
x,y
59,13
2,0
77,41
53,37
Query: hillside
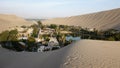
x,y
80,54
7,21
93,54
104,20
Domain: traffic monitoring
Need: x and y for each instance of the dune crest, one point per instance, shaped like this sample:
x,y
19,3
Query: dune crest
x,y
11,21
104,20
93,54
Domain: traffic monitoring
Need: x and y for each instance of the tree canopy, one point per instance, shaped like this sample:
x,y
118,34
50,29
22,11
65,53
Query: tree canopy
x,y
40,24
4,36
9,35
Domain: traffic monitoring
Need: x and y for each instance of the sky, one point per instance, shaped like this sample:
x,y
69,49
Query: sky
x,y
44,9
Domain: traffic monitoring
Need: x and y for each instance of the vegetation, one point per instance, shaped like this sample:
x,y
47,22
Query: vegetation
x,y
23,26
4,36
13,35
35,31
9,35
111,35
10,40
40,24
53,26
30,43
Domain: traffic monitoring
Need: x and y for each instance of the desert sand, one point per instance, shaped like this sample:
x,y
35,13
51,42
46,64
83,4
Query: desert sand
x,y
104,20
11,21
51,59
80,54
93,54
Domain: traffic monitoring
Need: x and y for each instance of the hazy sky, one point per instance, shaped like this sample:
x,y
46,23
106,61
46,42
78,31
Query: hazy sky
x,y
55,8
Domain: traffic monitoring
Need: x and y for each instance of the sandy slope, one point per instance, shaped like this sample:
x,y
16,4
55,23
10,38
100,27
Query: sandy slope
x,y
81,54
101,20
52,59
8,21
93,54
4,50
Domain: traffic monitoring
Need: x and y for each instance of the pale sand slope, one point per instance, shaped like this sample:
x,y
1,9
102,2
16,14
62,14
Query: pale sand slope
x,y
104,20
94,54
11,21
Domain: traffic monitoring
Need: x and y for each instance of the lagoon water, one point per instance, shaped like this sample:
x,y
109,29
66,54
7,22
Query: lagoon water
x,y
72,38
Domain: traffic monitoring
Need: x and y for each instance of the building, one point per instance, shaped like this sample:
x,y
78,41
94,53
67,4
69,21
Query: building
x,y
46,31
39,40
65,32
53,41
24,33
23,38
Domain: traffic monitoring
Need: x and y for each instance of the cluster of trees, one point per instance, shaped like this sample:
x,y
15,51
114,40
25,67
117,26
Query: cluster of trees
x,y
36,28
35,32
7,38
9,35
53,26
111,34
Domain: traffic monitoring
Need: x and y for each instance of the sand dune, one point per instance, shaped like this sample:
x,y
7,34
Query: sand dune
x,y
7,21
101,20
81,54
51,59
93,54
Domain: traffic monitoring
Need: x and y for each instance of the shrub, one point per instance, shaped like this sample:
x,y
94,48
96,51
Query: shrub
x,y
111,39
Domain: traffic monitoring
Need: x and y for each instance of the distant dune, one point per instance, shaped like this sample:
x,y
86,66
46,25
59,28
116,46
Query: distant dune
x,y
7,21
101,20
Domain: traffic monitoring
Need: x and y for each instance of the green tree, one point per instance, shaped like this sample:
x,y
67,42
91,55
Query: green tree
x,y
23,26
4,36
40,24
53,26
31,43
31,39
63,39
13,35
35,32
9,35
111,39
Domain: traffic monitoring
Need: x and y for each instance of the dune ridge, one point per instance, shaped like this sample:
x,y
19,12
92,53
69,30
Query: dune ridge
x,y
104,20
11,21
93,54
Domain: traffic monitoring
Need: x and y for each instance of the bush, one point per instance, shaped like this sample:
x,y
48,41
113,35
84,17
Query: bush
x,y
4,36
111,39
53,26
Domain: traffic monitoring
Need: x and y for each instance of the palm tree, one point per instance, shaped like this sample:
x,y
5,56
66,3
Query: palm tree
x,y
40,24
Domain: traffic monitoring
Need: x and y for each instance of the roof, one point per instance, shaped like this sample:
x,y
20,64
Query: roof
x,y
53,39
22,43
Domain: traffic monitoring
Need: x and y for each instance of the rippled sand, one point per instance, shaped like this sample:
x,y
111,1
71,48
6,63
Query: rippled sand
x,y
93,54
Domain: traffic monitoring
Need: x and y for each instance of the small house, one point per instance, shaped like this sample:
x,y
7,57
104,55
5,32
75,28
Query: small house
x,y
53,42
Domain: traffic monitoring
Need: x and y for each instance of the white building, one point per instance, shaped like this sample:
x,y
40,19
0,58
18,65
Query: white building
x,y
46,31
53,42
24,33
30,31
24,38
39,40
